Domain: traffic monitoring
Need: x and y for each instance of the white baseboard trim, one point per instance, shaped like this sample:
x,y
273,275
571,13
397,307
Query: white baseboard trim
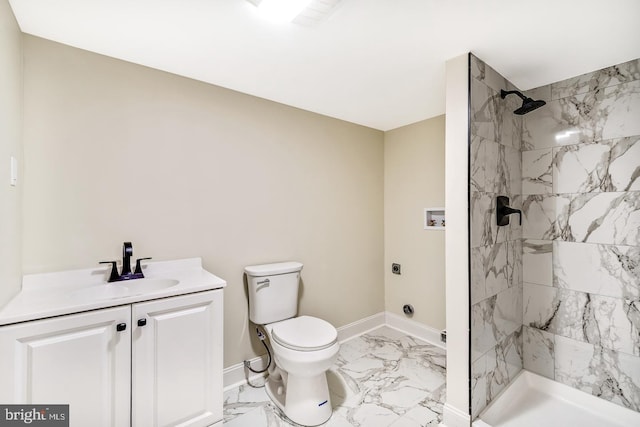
x,y
453,417
413,328
236,375
360,327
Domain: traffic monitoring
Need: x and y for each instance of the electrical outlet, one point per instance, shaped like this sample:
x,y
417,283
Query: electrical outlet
x,y
395,268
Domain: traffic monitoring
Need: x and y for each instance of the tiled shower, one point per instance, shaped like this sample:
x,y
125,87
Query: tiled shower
x,y
559,295
496,252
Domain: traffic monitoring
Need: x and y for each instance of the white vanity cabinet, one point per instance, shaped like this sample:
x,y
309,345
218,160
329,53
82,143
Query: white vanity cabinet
x,y
177,361
80,359
152,363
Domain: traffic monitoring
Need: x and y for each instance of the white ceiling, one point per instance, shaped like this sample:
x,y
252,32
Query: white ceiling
x,y
379,63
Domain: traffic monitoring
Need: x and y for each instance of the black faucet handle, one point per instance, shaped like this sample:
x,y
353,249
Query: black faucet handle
x,y
114,276
503,210
508,211
138,266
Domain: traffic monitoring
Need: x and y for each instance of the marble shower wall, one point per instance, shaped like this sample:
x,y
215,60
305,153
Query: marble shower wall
x,y
496,252
581,233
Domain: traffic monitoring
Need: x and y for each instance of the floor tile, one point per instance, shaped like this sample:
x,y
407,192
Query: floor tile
x,y
382,378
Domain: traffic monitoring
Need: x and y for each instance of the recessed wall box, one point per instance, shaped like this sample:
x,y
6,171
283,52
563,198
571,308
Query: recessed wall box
x,y
434,219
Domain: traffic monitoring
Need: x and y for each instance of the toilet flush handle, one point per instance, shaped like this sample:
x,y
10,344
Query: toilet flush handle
x,y
263,284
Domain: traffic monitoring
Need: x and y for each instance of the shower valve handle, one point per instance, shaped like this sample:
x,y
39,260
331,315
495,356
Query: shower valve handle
x,y
503,210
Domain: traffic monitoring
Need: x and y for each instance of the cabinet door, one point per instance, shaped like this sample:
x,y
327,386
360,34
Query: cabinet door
x,y
177,361
80,360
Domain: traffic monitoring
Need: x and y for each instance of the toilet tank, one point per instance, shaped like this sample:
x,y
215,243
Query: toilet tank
x,y
273,291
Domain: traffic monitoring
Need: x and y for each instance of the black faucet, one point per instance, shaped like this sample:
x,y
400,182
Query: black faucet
x,y
126,274
127,251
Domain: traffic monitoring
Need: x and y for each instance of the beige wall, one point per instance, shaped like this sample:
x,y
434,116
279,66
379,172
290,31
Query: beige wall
x,y
10,145
116,151
414,180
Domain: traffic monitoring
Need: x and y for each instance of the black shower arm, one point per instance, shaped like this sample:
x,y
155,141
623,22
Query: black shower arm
x,y
504,93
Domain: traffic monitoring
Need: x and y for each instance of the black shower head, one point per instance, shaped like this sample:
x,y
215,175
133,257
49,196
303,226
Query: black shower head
x,y
528,104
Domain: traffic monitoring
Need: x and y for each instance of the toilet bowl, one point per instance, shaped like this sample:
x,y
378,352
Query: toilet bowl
x,y
303,347
304,343
298,383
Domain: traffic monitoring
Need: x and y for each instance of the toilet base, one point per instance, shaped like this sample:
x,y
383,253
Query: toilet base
x,y
304,400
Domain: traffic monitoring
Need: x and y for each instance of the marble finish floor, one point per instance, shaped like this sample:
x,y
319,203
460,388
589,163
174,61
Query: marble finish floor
x,y
382,378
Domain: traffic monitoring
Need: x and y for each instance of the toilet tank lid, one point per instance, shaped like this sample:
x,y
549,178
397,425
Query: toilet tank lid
x,y
273,269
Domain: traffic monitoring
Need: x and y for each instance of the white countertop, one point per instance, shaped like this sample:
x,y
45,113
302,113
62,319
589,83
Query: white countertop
x,y
54,294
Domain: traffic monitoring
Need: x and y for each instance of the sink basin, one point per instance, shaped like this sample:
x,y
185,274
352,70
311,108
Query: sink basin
x,y
142,286
122,289
101,292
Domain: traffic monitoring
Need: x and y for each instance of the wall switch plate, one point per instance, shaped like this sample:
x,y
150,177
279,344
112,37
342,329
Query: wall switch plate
x,y
13,179
395,268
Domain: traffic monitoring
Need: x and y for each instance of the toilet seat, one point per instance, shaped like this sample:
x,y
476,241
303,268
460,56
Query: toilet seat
x,y
304,333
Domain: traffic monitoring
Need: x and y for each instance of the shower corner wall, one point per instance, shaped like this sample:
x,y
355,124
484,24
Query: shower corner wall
x,y
496,251
581,234
560,296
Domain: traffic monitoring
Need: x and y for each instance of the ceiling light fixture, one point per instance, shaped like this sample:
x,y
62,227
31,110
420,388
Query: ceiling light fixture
x,y
280,10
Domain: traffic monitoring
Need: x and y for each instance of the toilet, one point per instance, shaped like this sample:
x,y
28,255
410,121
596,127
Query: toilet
x,y
303,347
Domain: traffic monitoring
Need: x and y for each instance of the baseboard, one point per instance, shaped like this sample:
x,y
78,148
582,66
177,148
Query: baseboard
x,y
360,327
413,328
453,417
